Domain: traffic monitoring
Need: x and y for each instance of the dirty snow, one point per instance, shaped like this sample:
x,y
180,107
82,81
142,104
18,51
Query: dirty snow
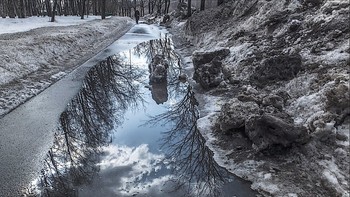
x,y
308,92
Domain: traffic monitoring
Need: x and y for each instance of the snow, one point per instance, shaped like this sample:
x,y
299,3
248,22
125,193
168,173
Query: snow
x,y
325,68
328,57
36,53
14,25
333,177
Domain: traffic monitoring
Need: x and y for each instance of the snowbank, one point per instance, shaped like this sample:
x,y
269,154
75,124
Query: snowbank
x,y
33,58
316,98
15,25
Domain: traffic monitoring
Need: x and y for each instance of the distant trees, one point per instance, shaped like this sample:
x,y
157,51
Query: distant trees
x,y
27,8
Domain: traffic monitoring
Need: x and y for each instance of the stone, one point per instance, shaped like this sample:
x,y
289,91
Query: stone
x,y
234,114
294,25
273,100
247,98
338,98
182,77
312,3
209,75
208,68
267,130
277,68
200,58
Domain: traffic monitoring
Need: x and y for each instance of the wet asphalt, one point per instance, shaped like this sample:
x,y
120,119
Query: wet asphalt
x,y
27,133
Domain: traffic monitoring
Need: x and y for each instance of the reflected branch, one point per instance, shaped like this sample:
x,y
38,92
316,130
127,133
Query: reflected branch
x,y
186,147
109,89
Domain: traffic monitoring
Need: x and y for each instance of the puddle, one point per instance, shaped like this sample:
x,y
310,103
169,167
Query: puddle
x,y
130,132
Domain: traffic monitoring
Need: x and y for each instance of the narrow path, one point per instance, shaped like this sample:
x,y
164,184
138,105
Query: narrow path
x,y
25,133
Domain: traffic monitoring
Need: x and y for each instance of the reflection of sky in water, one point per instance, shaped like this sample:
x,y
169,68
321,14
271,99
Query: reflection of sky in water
x,y
133,163
127,170
106,149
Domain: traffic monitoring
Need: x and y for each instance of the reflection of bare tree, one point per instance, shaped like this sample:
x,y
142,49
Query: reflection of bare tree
x,y
186,147
85,127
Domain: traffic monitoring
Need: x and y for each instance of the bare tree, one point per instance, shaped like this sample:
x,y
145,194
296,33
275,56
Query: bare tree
x,y
82,8
166,6
11,8
103,9
202,5
53,11
189,8
3,6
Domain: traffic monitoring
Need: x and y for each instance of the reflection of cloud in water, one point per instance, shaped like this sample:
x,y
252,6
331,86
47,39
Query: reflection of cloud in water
x,y
126,171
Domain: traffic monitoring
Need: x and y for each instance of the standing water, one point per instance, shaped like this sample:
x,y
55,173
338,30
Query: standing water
x,y
131,131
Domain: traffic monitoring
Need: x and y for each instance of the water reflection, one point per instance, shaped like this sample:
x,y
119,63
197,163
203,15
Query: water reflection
x,y
162,48
186,148
85,127
159,92
101,149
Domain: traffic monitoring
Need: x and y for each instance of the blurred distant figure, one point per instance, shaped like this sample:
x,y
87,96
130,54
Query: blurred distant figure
x,y
166,18
137,16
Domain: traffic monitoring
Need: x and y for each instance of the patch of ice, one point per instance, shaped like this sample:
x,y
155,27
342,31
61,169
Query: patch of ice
x,y
266,186
58,75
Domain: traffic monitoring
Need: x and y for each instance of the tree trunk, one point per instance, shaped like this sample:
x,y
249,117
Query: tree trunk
x,y
166,6
103,9
189,8
82,9
159,7
202,5
48,7
11,9
72,8
59,7
142,8
21,9
65,8
54,11
94,5
2,8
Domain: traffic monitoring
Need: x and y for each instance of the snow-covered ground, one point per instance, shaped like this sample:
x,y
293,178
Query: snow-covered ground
x,y
15,25
35,53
